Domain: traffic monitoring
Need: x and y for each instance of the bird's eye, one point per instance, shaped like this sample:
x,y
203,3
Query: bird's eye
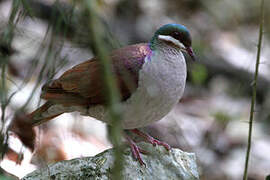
x,y
176,34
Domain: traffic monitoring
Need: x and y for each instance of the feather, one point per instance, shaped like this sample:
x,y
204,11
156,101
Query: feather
x,y
83,84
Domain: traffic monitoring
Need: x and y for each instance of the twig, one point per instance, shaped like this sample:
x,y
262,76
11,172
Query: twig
x,y
3,95
115,130
254,87
6,38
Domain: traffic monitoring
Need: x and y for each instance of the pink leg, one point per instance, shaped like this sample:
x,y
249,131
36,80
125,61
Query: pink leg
x,y
136,150
150,139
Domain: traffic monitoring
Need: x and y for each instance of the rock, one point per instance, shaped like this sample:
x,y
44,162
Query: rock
x,y
160,164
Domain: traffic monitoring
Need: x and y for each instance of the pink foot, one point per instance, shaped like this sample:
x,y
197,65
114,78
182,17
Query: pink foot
x,y
150,139
136,150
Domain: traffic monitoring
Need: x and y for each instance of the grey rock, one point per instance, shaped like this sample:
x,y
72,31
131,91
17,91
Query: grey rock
x,y
160,164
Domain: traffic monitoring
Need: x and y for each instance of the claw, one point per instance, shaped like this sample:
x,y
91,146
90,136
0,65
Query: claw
x,y
136,151
150,139
143,151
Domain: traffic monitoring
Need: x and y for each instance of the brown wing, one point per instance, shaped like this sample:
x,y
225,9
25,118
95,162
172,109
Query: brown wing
x,y
83,84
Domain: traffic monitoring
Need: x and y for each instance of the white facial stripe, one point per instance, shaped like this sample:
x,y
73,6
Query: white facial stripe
x,y
171,39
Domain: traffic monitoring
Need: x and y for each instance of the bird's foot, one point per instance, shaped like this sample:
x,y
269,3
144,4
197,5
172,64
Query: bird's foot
x,y
136,150
150,139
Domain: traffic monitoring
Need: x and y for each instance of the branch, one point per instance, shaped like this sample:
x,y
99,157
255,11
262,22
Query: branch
x,y
254,89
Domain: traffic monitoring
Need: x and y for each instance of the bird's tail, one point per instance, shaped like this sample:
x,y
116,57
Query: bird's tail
x,y
23,124
42,115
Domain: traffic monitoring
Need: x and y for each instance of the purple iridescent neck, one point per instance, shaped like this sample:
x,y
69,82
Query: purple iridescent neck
x,y
150,50
141,53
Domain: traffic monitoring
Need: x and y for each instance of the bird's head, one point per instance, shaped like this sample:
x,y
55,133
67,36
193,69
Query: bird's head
x,y
176,35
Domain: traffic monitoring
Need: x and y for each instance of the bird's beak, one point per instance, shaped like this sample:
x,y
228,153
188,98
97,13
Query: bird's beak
x,y
191,53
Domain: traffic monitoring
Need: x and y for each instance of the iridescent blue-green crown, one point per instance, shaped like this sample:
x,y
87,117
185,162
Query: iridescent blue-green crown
x,y
177,31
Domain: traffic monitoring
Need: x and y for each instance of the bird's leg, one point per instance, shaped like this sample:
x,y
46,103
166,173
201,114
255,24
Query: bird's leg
x,y
136,150
150,139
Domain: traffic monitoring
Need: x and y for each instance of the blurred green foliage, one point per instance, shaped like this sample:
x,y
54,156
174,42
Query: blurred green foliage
x,y
198,74
222,117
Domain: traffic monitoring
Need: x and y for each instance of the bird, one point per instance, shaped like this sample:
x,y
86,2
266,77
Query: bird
x,y
151,79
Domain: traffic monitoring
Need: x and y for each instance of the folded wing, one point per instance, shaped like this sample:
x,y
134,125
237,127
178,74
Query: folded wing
x,y
84,83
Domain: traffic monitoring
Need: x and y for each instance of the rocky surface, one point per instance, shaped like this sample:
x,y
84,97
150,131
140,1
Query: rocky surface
x,y
160,164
